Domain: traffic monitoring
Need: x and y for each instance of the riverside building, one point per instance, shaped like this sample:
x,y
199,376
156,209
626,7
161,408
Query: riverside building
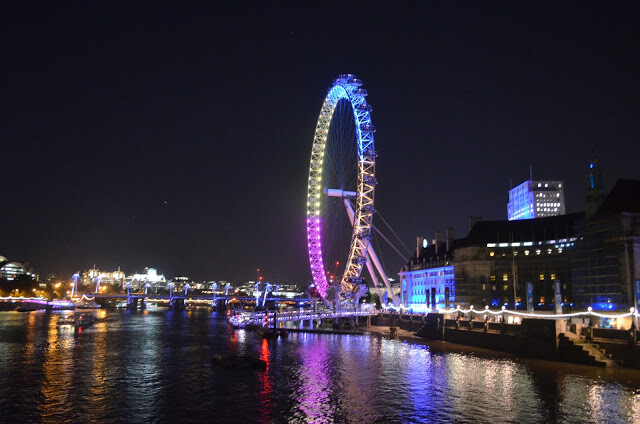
x,y
563,262
536,199
115,278
150,276
606,264
499,263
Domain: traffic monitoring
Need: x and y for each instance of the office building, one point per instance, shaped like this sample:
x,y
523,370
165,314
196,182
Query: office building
x,y
536,199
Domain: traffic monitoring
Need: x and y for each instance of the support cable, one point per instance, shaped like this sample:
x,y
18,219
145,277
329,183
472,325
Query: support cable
x,y
403,256
395,234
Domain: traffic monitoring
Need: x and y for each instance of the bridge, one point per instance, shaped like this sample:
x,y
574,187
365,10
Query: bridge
x,y
180,300
270,319
243,318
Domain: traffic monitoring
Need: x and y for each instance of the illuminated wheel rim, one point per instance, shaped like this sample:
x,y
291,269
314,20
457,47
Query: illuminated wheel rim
x,y
345,87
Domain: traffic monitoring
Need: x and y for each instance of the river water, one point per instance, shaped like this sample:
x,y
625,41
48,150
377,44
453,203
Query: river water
x,y
145,367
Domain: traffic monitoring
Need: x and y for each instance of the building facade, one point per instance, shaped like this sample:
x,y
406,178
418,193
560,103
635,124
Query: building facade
x,y
606,266
115,278
536,199
499,263
150,276
568,262
11,270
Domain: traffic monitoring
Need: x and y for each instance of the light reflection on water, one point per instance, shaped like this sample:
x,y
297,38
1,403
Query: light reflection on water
x,y
156,367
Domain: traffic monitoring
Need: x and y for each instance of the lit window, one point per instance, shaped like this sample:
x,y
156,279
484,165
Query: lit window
x,y
541,277
553,277
493,278
505,277
484,287
505,287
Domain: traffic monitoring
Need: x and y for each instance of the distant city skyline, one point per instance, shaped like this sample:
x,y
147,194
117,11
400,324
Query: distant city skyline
x,y
179,136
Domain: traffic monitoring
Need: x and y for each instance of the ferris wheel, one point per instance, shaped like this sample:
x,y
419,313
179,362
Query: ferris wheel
x,y
342,170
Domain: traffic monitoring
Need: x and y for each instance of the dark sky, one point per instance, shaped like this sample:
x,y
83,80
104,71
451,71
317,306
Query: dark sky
x,y
108,110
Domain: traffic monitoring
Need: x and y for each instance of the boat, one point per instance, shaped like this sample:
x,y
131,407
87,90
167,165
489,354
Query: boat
x,y
61,305
122,305
150,306
29,307
87,304
76,320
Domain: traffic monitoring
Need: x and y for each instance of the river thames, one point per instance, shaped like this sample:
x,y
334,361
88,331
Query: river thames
x,y
140,367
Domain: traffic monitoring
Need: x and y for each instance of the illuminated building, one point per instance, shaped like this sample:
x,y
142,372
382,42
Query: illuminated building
x,y
428,280
11,270
536,199
588,260
179,282
113,278
482,268
150,276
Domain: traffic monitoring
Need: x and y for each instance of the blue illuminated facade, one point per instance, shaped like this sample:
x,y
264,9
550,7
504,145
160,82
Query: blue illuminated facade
x,y
536,199
428,288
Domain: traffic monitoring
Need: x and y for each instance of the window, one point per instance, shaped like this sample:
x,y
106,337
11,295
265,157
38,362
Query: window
x,y
484,287
553,277
493,278
505,277
505,287
541,277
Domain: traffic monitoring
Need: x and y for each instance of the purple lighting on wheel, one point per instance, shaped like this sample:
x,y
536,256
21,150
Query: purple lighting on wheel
x,y
315,253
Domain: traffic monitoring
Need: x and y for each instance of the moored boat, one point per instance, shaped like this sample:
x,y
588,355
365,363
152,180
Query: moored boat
x,y
76,320
87,304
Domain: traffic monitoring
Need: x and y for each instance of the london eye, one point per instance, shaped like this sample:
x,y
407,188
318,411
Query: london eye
x,y
342,170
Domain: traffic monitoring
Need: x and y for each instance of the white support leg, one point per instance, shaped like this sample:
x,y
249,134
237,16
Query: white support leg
x,y
371,254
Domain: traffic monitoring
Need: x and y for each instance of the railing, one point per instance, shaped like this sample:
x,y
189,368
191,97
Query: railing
x,y
263,318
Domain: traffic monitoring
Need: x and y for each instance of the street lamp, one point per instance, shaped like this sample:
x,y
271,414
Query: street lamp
x,y
74,285
257,292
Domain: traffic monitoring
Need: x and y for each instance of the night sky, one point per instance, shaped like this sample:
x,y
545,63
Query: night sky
x,y
138,134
